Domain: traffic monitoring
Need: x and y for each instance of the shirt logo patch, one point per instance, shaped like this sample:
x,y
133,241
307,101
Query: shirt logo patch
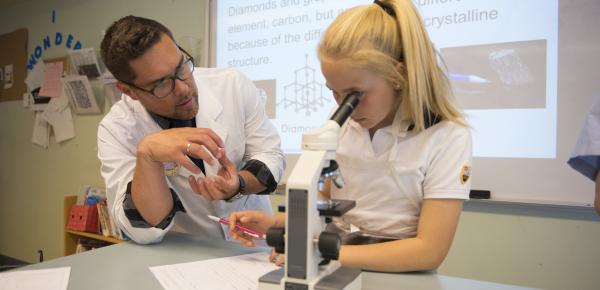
x,y
465,173
171,168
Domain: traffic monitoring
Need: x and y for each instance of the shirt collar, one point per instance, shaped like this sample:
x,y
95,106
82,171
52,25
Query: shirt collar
x,y
398,128
168,123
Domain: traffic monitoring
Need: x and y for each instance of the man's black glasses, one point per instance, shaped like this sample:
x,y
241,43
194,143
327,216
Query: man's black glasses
x,y
165,86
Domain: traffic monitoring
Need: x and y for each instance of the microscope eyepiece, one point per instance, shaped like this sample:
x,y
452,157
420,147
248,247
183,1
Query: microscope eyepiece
x,y
346,108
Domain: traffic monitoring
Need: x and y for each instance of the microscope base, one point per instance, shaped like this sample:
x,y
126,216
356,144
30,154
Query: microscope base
x,y
342,278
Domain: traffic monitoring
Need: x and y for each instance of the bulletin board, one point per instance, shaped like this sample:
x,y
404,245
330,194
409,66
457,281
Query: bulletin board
x,y
13,58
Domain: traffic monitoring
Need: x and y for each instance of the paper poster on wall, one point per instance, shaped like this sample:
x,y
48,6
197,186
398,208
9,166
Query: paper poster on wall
x,y
112,93
35,80
41,131
52,85
80,94
9,77
85,62
13,61
58,115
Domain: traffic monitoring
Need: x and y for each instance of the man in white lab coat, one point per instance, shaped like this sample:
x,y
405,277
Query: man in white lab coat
x,y
586,155
183,142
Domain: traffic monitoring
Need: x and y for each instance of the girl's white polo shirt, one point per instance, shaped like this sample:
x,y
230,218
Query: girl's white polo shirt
x,y
390,175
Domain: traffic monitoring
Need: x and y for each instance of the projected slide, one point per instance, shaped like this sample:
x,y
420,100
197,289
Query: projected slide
x,y
501,57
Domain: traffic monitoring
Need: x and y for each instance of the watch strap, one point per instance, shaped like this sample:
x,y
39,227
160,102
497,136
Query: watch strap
x,y
241,190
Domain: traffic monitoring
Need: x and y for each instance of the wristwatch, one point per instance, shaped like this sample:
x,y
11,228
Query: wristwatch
x,y
241,190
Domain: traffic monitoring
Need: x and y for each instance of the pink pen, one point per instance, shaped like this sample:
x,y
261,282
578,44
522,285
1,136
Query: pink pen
x,y
244,229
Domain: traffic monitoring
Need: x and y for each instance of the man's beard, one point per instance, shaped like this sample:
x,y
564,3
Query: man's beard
x,y
190,113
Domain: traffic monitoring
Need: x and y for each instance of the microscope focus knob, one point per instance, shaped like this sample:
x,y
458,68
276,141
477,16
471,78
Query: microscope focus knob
x,y
329,245
276,239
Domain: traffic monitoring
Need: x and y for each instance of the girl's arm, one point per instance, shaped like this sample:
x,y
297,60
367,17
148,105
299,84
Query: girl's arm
x,y
326,193
426,251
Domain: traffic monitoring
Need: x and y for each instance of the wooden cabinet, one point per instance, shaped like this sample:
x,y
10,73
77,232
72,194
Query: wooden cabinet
x,y
72,237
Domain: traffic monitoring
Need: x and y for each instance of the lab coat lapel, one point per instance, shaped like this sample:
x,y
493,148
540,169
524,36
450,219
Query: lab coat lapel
x,y
208,115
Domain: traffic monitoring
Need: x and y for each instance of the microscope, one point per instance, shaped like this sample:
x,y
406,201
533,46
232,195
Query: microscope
x,y
311,253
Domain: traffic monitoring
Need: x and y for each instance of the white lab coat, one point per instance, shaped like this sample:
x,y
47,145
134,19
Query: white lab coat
x,y
230,106
390,175
586,155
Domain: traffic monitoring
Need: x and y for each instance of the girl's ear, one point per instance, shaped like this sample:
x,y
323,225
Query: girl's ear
x,y
401,68
125,89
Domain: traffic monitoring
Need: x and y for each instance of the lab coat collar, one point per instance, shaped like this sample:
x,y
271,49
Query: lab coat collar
x,y
138,111
209,107
208,112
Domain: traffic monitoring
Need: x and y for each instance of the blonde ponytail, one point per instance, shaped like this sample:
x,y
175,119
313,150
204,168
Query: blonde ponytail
x,y
381,36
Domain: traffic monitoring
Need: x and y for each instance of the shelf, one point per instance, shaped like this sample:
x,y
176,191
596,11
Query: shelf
x,y
95,236
71,237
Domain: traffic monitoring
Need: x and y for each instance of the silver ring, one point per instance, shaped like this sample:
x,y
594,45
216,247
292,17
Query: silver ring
x,y
187,148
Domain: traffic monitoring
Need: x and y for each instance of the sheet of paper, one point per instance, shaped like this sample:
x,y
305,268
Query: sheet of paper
x,y
49,279
35,77
58,115
108,78
112,93
52,86
237,272
41,131
9,78
85,62
62,125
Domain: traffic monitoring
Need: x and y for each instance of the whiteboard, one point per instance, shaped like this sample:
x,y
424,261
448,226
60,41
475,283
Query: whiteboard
x,y
524,71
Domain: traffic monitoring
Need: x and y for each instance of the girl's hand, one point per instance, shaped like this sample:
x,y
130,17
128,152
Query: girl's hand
x,y
255,220
276,258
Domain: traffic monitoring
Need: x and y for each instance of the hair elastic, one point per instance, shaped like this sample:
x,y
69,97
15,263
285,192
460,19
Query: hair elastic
x,y
388,9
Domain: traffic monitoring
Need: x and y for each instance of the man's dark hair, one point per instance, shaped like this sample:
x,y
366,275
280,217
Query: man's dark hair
x,y
127,39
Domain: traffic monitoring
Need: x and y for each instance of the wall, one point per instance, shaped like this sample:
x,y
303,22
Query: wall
x,y
544,247
35,180
536,246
